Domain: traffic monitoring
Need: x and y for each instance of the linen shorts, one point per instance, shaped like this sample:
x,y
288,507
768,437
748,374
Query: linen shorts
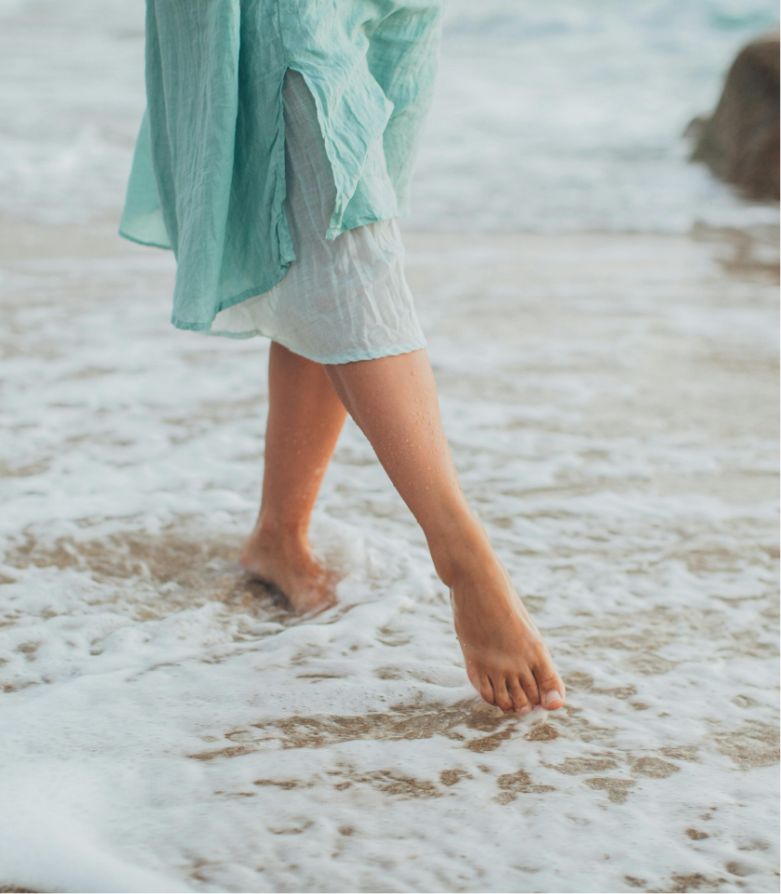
x,y
343,299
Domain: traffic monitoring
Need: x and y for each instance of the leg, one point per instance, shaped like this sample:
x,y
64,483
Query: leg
x,y
305,418
394,401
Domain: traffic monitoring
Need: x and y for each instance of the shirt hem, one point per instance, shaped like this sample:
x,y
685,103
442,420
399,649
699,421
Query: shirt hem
x,y
125,235
256,291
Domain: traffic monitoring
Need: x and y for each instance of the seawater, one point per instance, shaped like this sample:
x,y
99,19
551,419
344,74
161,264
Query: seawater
x,y
550,117
611,403
565,116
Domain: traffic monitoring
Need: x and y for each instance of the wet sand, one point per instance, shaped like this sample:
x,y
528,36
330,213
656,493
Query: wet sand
x,y
612,404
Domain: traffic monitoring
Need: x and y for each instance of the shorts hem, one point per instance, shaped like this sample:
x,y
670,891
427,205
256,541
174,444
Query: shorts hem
x,y
346,357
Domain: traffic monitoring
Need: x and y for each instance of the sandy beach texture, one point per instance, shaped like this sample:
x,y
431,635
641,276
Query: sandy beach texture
x,y
167,725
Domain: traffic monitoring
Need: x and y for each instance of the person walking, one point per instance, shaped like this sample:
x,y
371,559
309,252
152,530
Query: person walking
x,y
274,158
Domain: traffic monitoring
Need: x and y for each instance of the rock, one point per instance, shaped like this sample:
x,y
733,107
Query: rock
x,y
739,142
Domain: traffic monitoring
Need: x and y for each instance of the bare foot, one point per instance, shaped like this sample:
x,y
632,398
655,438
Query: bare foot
x,y
506,659
289,564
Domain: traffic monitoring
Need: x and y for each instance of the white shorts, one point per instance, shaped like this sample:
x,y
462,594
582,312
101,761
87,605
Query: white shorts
x,y
340,300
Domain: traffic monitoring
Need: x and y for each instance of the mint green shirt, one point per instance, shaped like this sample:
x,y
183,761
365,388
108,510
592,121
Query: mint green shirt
x,y
208,172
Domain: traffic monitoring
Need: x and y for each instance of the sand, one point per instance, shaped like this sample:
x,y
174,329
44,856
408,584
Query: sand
x,y
167,724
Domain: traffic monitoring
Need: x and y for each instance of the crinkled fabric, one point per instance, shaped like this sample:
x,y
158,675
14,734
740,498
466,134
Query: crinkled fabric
x,y
208,178
343,299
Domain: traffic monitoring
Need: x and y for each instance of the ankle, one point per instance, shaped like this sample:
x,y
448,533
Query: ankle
x,y
281,534
462,553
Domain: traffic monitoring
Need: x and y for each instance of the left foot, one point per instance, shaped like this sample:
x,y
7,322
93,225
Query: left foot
x,y
506,659
288,563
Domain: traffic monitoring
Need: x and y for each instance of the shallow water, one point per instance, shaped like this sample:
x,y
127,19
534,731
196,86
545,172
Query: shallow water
x,y
168,725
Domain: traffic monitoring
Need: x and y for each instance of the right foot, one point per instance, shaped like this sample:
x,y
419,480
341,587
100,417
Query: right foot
x,y
506,659
292,568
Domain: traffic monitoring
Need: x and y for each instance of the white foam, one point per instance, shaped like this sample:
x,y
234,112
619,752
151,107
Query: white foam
x,y
166,727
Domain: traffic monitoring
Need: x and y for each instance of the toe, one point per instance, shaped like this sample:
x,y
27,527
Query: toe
x,y
503,699
485,688
551,687
530,686
518,696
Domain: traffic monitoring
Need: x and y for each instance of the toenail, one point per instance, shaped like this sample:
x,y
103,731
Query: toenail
x,y
552,695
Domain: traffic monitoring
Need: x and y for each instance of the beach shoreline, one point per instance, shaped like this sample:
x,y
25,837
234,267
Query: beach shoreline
x,y
612,405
